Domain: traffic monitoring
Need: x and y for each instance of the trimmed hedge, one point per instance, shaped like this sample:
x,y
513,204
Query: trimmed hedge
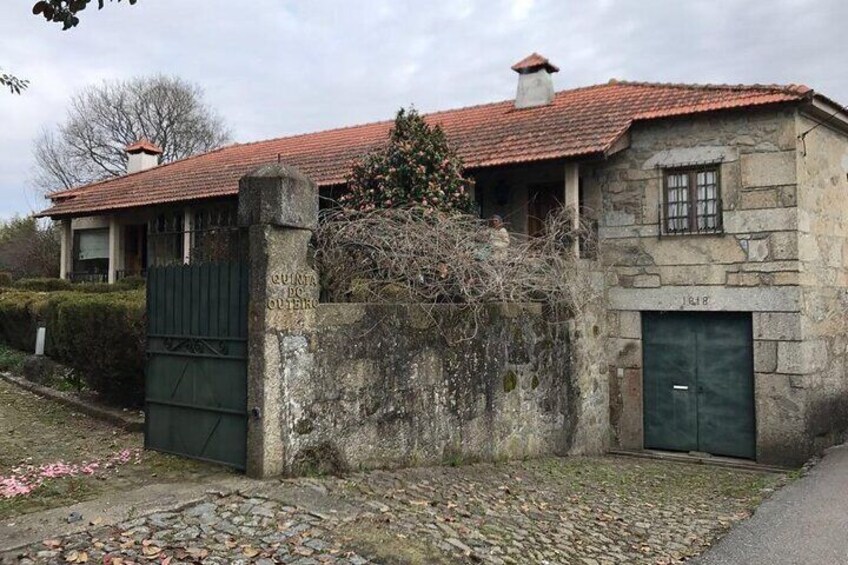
x,y
101,336
43,285
53,285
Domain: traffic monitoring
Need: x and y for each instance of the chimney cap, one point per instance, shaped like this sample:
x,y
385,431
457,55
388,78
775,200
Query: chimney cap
x,y
144,145
532,63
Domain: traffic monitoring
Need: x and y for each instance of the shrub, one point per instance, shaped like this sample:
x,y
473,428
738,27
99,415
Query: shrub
x,y
5,280
417,167
29,248
131,282
96,288
100,335
43,284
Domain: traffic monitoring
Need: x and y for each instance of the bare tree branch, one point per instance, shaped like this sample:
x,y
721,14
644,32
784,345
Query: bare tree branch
x,y
102,120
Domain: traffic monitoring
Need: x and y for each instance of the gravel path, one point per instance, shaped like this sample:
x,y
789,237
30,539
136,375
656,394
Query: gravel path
x,y
590,511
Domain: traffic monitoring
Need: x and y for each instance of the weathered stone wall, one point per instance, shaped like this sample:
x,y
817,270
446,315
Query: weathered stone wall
x,y
393,385
336,386
752,267
822,171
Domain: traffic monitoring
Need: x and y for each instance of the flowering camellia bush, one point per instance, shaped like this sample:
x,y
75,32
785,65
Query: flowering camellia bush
x,y
416,168
25,479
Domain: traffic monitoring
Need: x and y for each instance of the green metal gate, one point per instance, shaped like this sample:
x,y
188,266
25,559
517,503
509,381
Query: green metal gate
x,y
196,386
698,383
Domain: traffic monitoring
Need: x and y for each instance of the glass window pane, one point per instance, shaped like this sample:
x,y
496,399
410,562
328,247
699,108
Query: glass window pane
x,y
677,202
707,206
93,244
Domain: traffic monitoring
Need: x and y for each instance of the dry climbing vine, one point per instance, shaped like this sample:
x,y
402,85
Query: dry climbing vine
x,y
430,257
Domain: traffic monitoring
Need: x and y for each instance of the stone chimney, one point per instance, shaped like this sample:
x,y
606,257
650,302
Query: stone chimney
x,y
535,85
142,155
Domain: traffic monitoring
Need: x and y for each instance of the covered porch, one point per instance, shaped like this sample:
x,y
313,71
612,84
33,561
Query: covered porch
x,y
524,195
110,247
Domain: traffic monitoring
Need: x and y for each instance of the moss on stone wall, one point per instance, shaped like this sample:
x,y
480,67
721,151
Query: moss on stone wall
x,y
510,381
384,389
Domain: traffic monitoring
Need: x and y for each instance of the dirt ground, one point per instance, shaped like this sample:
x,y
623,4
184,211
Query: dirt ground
x,y
35,431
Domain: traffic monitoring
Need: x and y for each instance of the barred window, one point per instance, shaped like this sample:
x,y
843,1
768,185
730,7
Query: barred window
x,y
692,201
165,239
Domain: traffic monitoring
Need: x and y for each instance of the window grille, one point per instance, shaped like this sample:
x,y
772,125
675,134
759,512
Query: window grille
x,y
691,202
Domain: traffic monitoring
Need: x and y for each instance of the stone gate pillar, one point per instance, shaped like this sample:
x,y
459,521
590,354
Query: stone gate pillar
x,y
279,207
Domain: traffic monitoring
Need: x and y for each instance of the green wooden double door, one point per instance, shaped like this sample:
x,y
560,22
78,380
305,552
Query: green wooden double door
x,y
698,384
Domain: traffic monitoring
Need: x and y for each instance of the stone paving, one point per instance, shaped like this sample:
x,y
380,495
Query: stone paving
x,y
223,529
593,511
590,511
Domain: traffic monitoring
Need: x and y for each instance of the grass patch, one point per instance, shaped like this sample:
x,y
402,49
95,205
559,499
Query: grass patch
x,y
11,360
382,546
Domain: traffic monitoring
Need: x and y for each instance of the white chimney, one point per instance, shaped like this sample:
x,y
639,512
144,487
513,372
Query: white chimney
x,y
142,155
535,84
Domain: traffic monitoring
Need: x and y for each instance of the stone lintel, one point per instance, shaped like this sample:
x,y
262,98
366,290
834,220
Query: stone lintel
x,y
706,299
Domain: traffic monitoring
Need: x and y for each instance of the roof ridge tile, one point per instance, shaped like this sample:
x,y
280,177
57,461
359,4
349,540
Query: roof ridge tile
x,y
774,87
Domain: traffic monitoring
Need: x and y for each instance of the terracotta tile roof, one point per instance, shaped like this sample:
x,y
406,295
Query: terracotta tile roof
x,y
579,123
534,61
145,145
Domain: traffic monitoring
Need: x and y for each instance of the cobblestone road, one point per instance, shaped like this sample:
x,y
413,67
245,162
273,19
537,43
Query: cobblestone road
x,y
585,511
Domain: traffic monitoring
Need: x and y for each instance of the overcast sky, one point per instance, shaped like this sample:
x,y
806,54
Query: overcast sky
x,y
278,67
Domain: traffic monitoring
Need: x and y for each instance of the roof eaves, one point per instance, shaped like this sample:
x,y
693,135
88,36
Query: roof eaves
x,y
56,213
78,189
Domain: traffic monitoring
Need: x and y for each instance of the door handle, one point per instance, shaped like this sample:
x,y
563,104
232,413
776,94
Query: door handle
x,y
680,387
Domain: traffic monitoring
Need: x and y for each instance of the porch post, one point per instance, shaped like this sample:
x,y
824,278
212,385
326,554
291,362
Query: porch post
x,y
187,227
115,263
67,248
572,199
279,207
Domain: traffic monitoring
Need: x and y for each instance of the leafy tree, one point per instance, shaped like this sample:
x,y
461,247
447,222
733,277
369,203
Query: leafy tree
x,y
13,83
65,11
29,248
417,167
102,120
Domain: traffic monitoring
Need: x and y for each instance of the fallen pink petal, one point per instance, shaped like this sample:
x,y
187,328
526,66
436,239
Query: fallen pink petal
x,y
25,479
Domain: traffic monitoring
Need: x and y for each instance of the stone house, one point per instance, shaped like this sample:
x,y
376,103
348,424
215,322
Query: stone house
x,y
720,211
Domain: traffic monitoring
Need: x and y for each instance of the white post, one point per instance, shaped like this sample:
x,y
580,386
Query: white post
x,y
40,338
114,249
572,199
67,248
187,226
